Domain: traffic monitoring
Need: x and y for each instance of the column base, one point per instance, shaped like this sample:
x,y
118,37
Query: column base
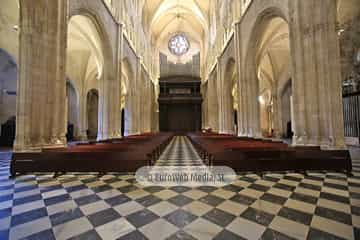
x,y
323,143
83,138
37,147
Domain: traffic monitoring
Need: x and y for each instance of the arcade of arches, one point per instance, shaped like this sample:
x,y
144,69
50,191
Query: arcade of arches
x,y
266,69
87,74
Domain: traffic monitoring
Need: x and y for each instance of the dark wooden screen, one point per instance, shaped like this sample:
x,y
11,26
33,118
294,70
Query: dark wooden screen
x,y
351,104
180,104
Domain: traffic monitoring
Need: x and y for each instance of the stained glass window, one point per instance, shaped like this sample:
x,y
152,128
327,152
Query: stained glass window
x,y
179,44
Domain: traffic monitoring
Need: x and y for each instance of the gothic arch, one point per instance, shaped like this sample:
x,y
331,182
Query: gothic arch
x,y
262,10
105,42
254,53
103,20
108,30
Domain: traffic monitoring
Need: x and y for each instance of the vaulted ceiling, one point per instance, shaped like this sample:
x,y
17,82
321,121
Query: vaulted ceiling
x,y
84,51
273,56
165,17
160,17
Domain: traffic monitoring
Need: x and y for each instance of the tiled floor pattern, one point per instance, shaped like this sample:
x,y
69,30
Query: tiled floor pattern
x,y
279,206
180,152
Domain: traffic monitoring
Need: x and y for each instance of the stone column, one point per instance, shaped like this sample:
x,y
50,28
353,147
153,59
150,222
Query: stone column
x,y
253,106
277,122
210,101
82,117
136,100
229,106
278,108
106,112
248,92
109,96
143,108
220,88
156,91
145,102
213,104
317,96
149,102
117,88
204,109
242,108
153,107
42,85
143,105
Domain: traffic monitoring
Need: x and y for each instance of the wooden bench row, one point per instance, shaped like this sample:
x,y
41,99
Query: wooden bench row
x,y
116,155
255,155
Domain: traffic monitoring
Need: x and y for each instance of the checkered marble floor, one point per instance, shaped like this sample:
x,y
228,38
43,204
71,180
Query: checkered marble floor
x,y
321,205
180,152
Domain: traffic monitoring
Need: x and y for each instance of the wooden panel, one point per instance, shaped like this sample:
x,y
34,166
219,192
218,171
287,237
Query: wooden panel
x,y
181,118
180,104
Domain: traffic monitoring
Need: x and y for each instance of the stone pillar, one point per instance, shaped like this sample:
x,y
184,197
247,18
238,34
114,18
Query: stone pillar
x,y
229,106
278,108
248,85
317,96
117,88
213,103
142,103
136,124
82,116
153,108
220,88
156,91
42,85
106,112
252,101
148,103
277,122
204,108
242,108
109,96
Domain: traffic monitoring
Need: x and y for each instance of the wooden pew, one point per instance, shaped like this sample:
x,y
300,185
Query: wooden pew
x,y
126,155
244,154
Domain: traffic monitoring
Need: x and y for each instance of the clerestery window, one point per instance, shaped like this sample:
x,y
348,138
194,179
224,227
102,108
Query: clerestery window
x,y
179,44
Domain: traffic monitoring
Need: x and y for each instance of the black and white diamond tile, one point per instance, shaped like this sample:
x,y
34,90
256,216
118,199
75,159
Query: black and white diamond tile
x,y
279,206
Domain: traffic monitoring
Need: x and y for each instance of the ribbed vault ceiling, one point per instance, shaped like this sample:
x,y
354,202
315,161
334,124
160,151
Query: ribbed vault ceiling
x,y
166,17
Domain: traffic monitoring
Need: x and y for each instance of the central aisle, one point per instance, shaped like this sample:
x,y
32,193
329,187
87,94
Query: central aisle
x,y
180,152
